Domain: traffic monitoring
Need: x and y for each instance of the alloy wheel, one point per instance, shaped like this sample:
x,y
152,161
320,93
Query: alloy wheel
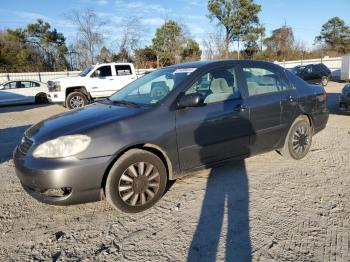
x,y
76,102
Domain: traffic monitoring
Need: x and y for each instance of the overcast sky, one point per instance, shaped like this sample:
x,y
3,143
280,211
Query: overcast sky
x,y
305,16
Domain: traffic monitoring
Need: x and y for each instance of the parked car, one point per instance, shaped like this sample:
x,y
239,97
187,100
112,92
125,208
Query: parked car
x,y
23,91
344,102
164,125
95,82
314,73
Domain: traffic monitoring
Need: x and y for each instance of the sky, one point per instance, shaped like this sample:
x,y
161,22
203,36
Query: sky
x,y
306,17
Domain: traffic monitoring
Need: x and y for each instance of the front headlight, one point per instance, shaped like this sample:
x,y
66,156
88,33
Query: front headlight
x,y
63,146
57,86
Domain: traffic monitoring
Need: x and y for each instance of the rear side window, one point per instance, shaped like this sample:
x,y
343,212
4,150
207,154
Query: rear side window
x,y
263,81
34,84
122,70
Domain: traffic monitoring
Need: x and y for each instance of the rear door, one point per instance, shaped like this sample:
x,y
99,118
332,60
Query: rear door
x,y
123,75
218,130
263,84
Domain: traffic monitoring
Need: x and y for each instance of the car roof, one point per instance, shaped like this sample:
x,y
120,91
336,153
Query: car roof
x,y
200,64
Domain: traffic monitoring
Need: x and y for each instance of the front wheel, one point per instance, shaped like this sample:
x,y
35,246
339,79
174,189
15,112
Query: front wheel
x,y
136,181
298,140
76,100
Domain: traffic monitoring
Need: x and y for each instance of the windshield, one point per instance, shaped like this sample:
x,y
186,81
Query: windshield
x,y
86,71
153,87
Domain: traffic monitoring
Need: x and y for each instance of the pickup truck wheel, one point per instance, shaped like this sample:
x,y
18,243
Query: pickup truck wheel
x,y
136,181
298,140
76,100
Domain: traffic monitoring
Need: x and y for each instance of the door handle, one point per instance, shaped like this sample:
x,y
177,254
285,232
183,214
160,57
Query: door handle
x,y
240,108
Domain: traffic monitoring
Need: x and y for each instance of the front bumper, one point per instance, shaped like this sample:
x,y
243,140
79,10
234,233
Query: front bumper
x,y
83,178
56,97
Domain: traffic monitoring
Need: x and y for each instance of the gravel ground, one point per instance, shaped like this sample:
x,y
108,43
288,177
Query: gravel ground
x,y
265,208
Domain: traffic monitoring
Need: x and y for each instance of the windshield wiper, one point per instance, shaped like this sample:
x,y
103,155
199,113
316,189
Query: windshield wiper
x,y
124,102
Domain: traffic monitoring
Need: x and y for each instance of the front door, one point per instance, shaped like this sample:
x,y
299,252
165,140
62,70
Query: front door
x,y
219,129
104,83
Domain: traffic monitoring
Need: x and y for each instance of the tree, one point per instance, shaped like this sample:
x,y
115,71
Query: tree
x,y
90,33
105,55
214,47
238,17
336,35
146,57
49,42
167,43
191,51
281,41
251,41
131,38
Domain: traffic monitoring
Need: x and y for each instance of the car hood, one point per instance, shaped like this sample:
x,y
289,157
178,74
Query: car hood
x,y
79,121
68,79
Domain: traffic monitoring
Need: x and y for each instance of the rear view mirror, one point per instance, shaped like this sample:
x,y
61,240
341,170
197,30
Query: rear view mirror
x,y
191,100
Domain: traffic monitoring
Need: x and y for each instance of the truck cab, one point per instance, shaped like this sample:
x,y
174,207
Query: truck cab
x,y
94,82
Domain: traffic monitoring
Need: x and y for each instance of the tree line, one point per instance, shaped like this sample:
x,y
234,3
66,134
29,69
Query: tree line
x,y
239,34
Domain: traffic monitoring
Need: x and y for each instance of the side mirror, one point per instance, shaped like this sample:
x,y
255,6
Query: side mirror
x,y
191,100
97,73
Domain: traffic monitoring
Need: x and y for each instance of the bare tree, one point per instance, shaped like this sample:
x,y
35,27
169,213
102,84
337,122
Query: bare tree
x,y
90,32
214,46
131,38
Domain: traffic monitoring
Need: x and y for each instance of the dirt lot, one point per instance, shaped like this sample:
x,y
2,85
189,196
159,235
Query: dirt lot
x,y
266,207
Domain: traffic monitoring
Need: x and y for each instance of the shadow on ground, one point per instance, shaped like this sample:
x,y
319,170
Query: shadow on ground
x,y
20,108
226,195
9,139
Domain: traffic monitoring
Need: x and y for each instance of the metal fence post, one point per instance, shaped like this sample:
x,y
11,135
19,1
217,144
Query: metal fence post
x,y
39,76
8,77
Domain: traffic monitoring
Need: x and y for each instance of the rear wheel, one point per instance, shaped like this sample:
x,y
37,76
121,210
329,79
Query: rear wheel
x,y
324,81
136,181
76,100
298,140
41,98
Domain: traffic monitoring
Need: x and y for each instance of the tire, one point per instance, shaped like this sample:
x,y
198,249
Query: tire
x,y
298,140
41,98
76,100
324,80
128,191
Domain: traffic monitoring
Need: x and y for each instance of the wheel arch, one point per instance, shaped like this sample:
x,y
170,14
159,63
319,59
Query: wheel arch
x,y
158,151
81,89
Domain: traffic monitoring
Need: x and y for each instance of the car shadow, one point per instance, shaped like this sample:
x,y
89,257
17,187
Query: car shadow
x,y
20,107
9,139
226,199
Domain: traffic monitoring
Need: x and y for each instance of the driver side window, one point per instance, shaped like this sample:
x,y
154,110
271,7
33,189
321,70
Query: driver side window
x,y
218,85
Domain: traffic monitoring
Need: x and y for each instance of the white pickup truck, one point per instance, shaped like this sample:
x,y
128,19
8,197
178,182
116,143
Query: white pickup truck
x,y
97,81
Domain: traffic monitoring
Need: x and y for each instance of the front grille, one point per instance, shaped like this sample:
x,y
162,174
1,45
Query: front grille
x,y
25,144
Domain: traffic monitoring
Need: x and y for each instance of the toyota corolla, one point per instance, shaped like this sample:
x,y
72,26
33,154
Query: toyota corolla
x,y
167,124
